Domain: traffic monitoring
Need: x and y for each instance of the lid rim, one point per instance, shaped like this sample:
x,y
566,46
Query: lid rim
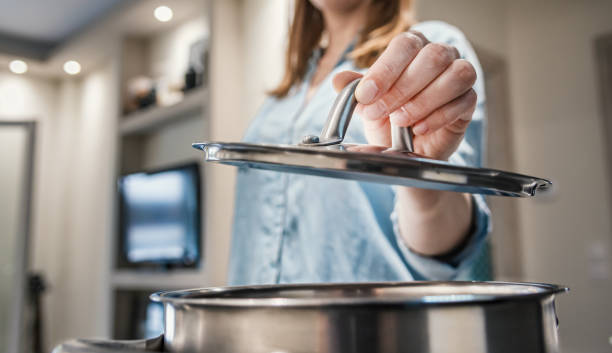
x,y
179,297
348,161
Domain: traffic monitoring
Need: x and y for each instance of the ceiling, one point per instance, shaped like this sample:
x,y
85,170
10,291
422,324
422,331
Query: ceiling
x,y
32,28
88,36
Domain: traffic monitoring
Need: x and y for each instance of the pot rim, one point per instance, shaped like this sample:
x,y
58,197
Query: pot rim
x,y
237,296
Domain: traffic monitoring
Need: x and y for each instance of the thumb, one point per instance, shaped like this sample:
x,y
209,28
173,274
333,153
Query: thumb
x,y
343,78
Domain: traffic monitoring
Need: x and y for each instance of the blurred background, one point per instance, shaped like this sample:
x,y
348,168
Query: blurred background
x,y
103,200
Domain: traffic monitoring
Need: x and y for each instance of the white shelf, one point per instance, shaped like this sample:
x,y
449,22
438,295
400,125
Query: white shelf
x,y
139,279
150,118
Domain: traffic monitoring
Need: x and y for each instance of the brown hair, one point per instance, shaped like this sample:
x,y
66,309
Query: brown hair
x,y
386,19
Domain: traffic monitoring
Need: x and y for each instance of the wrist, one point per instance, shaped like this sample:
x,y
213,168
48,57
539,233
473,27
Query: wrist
x,y
420,200
432,222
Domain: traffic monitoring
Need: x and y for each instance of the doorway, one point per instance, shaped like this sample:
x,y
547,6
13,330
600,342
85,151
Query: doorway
x,y
16,159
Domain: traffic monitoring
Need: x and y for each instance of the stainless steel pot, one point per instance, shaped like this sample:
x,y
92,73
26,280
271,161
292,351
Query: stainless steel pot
x,y
437,317
368,317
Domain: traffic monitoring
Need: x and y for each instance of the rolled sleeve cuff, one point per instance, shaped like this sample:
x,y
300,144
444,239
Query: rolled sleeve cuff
x,y
456,267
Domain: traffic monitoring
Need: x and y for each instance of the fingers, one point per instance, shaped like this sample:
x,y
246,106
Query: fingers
x,y
460,108
341,79
442,142
377,132
457,79
388,67
420,35
431,61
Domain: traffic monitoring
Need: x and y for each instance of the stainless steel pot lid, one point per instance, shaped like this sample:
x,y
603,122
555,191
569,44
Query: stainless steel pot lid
x,y
371,293
327,156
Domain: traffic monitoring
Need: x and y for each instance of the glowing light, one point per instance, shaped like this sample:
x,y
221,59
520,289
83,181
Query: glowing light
x,y
72,67
163,13
18,67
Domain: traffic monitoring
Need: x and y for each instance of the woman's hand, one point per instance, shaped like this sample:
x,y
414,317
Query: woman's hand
x,y
428,87
419,84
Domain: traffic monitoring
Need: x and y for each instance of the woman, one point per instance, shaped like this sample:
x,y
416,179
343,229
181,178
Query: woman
x,y
296,228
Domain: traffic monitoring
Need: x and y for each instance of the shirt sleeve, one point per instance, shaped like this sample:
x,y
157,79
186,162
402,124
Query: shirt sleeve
x,y
471,153
457,267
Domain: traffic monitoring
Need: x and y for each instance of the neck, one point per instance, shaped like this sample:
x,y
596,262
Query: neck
x,y
342,27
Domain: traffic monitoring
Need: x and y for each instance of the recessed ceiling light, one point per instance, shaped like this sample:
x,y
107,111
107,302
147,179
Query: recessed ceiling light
x,y
163,13
18,66
72,67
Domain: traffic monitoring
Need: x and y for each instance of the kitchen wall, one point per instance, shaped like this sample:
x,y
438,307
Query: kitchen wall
x,y
15,159
483,21
558,133
556,118
84,254
247,48
264,42
72,192
30,98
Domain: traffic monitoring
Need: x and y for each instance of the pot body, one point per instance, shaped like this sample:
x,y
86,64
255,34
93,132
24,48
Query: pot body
x,y
362,318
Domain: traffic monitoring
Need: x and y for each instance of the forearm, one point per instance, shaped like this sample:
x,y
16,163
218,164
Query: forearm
x,y
433,222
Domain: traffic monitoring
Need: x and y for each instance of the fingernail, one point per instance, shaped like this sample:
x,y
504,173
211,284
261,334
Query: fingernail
x,y
420,129
366,91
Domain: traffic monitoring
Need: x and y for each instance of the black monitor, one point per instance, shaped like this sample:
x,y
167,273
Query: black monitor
x,y
160,218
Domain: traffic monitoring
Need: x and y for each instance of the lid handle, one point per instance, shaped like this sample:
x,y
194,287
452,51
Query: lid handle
x,y
339,119
401,138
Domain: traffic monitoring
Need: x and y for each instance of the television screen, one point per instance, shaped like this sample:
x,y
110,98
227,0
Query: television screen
x,y
160,216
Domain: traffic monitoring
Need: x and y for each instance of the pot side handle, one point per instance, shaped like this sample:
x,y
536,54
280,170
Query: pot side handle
x,y
111,346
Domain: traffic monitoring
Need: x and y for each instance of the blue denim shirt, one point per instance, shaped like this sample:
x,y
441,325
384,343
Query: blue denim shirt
x,y
296,228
